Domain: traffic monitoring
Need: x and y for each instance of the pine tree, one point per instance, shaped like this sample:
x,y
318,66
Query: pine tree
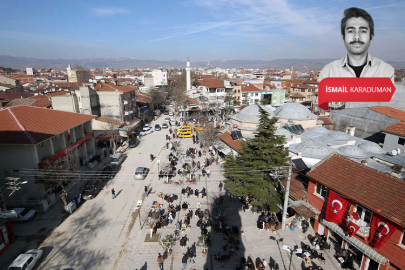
x,y
248,173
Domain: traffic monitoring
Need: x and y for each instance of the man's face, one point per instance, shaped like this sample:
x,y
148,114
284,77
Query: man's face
x,y
357,37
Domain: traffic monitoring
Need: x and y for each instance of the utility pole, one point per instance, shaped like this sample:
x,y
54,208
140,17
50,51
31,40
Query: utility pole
x,y
287,194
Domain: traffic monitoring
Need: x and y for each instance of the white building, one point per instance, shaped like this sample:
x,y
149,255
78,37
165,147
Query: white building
x,y
31,136
30,71
159,77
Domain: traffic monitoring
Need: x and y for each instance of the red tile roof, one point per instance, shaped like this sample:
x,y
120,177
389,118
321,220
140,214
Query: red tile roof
x,y
32,125
211,83
375,190
398,129
249,88
9,96
100,86
234,144
143,97
297,188
391,112
296,95
326,120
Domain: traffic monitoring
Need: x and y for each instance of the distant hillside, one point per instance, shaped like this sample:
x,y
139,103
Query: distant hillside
x,y
298,64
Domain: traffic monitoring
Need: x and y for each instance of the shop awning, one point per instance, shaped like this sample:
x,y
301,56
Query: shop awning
x,y
371,253
304,209
223,148
103,137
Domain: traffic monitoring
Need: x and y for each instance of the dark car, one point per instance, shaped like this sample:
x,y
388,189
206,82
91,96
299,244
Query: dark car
x,y
166,112
108,172
91,189
133,143
157,127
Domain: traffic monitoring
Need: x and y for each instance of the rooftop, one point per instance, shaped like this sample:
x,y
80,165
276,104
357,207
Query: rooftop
x,y
391,112
32,125
366,186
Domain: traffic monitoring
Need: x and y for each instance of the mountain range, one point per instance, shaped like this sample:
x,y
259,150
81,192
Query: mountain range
x,y
123,62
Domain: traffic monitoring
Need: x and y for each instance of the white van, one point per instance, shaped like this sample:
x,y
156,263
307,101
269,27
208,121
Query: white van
x,y
117,159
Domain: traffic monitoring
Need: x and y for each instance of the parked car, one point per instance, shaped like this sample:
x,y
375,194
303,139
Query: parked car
x,y
166,112
27,260
134,143
164,125
23,214
167,119
170,113
117,159
91,189
157,127
108,172
146,131
141,173
146,126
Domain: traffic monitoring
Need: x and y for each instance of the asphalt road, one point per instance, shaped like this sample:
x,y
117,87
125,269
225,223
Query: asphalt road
x,y
94,236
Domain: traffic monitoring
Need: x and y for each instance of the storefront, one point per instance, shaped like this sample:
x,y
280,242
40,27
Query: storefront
x,y
365,257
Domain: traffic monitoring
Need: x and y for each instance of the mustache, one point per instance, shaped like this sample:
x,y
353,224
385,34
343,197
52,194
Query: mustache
x,y
356,42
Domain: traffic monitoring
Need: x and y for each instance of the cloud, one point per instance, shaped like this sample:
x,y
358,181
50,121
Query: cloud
x,y
387,6
108,11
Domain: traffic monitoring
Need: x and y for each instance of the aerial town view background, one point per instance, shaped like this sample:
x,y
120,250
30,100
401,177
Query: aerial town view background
x,y
188,135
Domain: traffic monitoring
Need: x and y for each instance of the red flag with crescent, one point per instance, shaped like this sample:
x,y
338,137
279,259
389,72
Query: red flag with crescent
x,y
380,231
352,228
336,208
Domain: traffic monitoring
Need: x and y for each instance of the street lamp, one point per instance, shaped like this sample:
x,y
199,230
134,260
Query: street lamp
x,y
158,162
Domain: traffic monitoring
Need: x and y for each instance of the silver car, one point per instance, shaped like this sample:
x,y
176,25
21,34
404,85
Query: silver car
x,y
26,261
141,173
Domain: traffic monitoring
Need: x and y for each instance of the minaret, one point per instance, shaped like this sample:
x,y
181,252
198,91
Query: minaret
x,y
188,69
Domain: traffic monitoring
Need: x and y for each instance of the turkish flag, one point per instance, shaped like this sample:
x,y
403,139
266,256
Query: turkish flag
x,y
352,228
336,208
68,138
380,231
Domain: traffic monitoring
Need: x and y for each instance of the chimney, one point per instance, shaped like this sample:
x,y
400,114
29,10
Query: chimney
x,y
350,130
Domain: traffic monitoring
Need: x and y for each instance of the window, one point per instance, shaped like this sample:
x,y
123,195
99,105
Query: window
x,y
401,141
321,190
365,216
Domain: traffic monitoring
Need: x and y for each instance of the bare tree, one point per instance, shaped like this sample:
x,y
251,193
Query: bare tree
x,y
59,172
209,135
111,128
158,96
179,87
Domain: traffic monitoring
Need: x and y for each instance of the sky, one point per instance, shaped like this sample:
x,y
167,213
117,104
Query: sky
x,y
201,29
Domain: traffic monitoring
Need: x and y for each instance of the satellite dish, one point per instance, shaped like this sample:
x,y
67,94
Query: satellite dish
x,y
399,151
394,152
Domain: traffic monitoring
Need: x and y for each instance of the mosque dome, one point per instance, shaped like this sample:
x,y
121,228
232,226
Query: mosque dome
x,y
251,114
313,149
371,147
353,151
315,132
294,111
338,135
284,132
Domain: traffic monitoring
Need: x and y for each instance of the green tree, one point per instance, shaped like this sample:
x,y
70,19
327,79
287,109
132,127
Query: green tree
x,y
248,173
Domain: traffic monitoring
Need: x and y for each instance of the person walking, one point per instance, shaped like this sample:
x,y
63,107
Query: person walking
x,y
113,193
220,186
208,173
184,261
146,191
160,261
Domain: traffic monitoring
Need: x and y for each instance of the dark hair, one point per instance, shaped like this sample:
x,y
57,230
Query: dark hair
x,y
354,12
